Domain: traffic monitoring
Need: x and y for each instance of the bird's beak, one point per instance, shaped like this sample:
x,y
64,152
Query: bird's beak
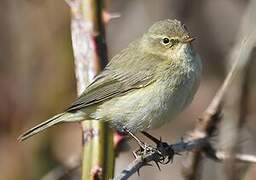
x,y
189,39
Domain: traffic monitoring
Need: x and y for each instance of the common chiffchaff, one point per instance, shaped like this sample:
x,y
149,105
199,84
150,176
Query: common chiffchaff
x,y
143,86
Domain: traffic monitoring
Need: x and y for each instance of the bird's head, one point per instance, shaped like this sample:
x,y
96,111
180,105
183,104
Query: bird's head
x,y
166,38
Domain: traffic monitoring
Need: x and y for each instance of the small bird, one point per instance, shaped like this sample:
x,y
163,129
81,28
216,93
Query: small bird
x,y
142,87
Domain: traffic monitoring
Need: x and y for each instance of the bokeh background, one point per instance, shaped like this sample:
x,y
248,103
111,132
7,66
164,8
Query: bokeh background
x,y
37,77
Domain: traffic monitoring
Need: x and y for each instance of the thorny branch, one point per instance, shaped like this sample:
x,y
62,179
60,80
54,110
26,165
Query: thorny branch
x,y
154,156
90,55
172,149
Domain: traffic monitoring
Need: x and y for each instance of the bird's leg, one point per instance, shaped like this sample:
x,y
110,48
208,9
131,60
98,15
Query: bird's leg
x,y
144,148
141,144
152,138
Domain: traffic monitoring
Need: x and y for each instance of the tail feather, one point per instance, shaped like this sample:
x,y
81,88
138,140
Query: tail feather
x,y
40,127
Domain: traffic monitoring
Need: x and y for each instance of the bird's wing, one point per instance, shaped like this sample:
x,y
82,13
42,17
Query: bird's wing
x,y
117,78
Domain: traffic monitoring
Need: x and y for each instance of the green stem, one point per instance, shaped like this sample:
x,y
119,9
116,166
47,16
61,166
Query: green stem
x,y
98,160
89,45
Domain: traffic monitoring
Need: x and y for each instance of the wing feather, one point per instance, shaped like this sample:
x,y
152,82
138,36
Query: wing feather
x,y
119,78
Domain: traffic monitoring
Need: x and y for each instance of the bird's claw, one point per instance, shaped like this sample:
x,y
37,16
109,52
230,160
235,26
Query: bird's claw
x,y
162,148
146,164
158,166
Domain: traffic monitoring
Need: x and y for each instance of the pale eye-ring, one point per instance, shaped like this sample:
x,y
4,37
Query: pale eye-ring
x,y
165,41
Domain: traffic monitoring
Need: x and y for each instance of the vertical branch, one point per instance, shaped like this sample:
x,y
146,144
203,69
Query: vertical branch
x,y
90,52
207,124
237,99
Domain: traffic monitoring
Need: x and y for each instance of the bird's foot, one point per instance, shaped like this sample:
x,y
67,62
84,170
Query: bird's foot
x,y
162,148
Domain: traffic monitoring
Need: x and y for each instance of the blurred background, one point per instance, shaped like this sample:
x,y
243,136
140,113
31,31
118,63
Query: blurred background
x,y
37,77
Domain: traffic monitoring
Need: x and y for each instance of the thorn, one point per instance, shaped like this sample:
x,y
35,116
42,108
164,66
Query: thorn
x,y
158,166
74,5
145,164
170,159
138,172
109,16
96,172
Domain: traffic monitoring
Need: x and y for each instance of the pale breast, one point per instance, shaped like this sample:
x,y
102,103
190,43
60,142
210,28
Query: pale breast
x,y
179,93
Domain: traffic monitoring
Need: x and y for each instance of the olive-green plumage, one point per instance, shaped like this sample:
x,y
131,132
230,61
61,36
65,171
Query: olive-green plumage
x,y
143,86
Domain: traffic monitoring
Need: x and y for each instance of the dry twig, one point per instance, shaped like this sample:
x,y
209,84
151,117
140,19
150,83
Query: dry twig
x,y
237,100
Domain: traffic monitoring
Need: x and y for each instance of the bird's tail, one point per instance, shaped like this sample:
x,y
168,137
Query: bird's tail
x,y
42,126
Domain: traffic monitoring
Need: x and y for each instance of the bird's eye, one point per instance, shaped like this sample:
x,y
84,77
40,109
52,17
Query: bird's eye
x,y
166,40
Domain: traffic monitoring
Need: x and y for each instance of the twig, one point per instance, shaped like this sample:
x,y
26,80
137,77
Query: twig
x,y
155,157
221,155
177,148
